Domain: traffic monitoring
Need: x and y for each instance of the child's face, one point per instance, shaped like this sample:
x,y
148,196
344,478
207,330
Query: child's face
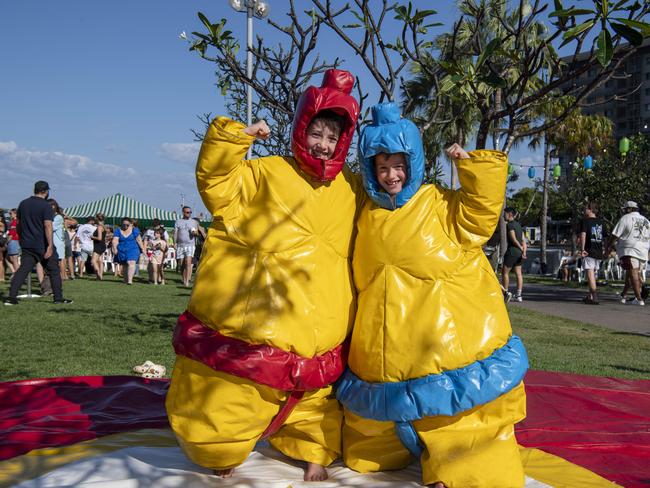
x,y
321,140
390,170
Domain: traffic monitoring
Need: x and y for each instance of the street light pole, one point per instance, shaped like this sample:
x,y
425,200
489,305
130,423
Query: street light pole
x,y
259,9
249,64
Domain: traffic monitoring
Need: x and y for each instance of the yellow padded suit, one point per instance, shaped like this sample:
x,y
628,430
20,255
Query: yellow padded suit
x,y
432,346
274,271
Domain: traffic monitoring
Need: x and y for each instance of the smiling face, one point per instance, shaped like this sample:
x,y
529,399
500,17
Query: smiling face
x,y
390,170
321,139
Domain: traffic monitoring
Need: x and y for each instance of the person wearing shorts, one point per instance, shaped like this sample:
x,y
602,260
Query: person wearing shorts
x,y
13,245
515,252
591,244
631,235
185,232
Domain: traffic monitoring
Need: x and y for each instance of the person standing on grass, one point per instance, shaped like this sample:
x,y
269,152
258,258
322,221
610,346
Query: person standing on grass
x,y
85,235
156,252
591,243
99,246
515,252
13,245
631,235
127,247
185,232
58,232
198,243
3,247
35,216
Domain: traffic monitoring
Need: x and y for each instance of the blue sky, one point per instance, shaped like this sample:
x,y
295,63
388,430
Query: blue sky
x,y
99,97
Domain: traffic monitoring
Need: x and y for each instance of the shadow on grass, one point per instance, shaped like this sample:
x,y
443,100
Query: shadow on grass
x,y
136,323
628,368
160,321
639,334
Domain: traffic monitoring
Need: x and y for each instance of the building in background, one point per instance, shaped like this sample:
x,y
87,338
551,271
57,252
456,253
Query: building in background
x,y
624,98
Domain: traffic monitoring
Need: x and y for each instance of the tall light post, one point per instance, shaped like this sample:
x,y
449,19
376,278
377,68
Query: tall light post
x,y
259,9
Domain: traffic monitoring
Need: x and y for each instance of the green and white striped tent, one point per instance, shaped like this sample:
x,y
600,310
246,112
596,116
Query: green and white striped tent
x,y
118,206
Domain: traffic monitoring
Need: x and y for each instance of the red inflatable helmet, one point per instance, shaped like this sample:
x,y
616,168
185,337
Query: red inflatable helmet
x,y
334,95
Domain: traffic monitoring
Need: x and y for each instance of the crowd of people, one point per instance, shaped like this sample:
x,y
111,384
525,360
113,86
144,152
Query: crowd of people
x,y
598,252
38,236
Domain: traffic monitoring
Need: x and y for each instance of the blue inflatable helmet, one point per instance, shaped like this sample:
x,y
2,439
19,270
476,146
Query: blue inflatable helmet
x,y
390,133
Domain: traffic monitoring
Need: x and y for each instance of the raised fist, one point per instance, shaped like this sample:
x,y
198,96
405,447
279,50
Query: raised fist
x,y
259,130
455,151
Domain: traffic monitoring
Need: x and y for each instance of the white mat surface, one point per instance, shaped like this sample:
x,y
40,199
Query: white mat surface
x,y
167,467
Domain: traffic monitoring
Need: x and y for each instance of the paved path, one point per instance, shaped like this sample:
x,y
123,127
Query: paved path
x,y
566,302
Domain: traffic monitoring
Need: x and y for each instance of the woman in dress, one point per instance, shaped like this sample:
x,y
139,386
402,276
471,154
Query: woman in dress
x,y
127,246
58,239
156,251
99,246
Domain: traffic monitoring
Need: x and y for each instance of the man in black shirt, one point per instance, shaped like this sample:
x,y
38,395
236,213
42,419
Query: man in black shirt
x,y
35,217
515,252
591,245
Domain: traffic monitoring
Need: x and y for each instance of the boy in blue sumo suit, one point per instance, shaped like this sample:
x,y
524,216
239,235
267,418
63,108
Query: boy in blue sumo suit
x,y
434,369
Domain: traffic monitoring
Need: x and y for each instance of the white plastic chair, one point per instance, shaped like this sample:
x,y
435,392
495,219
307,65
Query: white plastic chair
x,y
578,271
170,259
609,269
107,259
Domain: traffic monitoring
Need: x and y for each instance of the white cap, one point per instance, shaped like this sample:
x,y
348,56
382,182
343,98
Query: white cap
x,y
630,204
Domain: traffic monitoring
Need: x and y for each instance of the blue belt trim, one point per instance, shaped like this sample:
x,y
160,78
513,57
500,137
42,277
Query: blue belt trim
x,y
409,437
447,393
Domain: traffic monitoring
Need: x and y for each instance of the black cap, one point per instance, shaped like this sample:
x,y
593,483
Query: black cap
x,y
41,186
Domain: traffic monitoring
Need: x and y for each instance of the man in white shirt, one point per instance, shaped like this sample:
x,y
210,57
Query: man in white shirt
x,y
84,234
155,224
185,232
632,238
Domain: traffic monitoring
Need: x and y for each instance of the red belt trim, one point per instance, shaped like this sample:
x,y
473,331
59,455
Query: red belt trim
x,y
261,363
277,421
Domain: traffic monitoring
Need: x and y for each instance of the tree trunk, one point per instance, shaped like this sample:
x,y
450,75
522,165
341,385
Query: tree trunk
x,y
454,175
542,244
495,129
483,132
460,139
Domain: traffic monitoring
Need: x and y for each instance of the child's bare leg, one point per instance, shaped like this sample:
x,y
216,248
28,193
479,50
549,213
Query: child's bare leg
x,y
224,473
315,472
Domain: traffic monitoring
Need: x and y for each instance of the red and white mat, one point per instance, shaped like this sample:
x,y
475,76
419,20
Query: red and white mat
x,y
112,432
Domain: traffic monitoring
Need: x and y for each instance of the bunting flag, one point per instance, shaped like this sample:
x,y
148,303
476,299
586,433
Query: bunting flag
x,y
112,431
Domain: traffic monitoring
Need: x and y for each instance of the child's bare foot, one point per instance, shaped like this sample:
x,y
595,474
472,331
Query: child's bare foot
x,y
315,472
438,484
224,473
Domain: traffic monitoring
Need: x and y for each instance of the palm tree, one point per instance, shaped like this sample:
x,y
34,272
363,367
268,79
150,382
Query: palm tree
x,y
577,135
454,123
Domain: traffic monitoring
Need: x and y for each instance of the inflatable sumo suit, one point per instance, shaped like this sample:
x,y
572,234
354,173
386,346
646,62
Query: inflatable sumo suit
x,y
261,341
434,369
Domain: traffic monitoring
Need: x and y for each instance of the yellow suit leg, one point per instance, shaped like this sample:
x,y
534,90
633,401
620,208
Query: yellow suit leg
x,y
218,417
370,445
476,448
312,432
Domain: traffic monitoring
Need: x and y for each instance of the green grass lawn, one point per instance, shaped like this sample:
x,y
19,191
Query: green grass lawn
x,y
111,327
559,344
108,329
